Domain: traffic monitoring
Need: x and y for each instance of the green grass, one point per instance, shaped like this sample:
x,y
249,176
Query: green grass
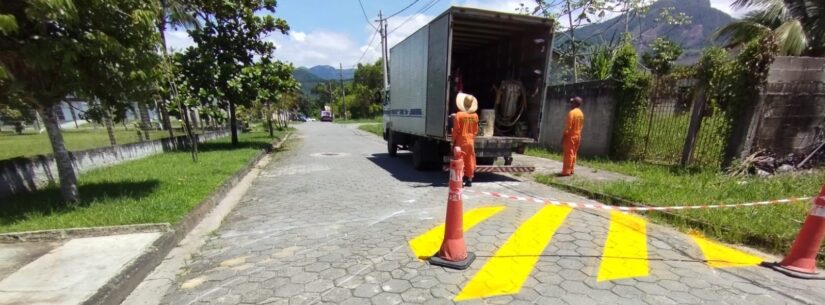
x,y
157,189
658,185
32,143
377,129
377,119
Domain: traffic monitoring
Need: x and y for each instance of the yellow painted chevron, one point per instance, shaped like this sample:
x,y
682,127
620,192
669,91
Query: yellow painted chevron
x,y
427,244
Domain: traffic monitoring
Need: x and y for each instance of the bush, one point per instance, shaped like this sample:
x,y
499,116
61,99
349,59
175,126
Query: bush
x,y
631,93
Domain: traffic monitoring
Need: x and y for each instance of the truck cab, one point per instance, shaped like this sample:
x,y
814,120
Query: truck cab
x,y
502,59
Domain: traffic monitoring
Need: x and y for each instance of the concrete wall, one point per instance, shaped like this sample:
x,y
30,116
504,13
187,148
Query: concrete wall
x,y
599,107
790,114
26,174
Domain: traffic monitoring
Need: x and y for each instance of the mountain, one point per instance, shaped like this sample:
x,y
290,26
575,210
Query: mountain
x,y
693,36
306,78
329,72
309,77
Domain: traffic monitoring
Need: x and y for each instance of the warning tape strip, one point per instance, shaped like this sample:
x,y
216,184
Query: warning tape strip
x,y
640,208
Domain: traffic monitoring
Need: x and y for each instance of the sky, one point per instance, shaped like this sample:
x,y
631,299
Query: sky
x,y
333,32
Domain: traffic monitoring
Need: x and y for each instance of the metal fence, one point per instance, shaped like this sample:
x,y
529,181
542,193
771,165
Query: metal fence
x,y
663,127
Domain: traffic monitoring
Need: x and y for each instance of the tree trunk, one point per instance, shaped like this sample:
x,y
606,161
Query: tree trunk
x,y
166,123
194,118
65,169
110,128
74,114
269,119
38,122
187,127
145,120
233,123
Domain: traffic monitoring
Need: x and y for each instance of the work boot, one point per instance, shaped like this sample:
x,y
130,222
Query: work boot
x,y
469,182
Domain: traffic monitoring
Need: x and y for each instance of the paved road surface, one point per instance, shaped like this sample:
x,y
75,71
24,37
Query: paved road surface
x,y
332,220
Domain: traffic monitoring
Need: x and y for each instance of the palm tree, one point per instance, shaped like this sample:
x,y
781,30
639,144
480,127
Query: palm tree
x,y
798,25
174,14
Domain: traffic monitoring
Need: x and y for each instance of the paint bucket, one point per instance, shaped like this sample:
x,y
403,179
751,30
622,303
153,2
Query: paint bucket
x,y
487,123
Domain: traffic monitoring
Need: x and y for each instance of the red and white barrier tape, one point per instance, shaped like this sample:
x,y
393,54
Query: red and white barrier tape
x,y
638,209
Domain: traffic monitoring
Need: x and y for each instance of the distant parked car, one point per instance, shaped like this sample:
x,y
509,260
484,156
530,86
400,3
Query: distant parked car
x,y
326,116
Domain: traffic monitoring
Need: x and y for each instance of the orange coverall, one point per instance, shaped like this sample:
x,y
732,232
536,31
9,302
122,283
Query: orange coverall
x,y
465,128
572,139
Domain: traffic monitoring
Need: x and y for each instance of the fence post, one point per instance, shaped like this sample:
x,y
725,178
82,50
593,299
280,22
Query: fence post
x,y
699,103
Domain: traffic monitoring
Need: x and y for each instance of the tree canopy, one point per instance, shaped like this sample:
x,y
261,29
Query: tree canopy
x,y
51,48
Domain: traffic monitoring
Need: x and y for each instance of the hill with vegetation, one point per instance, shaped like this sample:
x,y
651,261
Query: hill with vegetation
x,y
693,35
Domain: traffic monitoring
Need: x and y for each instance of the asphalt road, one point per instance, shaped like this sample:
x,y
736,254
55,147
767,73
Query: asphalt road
x,y
335,220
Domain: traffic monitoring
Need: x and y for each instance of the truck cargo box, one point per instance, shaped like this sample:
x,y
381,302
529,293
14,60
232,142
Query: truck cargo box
x,y
479,51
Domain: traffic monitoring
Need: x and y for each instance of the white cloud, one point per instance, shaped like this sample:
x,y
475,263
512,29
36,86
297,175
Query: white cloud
x,y
178,40
298,36
724,5
317,48
508,6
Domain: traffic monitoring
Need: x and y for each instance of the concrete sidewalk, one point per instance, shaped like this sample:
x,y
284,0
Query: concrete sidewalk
x,y
552,167
66,272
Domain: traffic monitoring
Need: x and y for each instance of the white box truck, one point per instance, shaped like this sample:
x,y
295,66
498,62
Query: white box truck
x,y
503,59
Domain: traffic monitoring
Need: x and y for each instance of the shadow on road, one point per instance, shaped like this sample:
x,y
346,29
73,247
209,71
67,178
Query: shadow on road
x,y
401,168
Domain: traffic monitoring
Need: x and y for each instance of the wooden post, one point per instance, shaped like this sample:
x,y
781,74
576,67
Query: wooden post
x,y
699,103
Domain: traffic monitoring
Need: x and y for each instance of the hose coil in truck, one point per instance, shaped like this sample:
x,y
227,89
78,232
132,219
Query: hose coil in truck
x,y
508,112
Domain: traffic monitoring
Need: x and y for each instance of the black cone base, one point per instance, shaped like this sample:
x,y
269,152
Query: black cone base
x,y
793,273
459,265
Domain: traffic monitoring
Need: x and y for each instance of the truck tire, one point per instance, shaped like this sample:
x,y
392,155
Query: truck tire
x,y
392,148
508,161
418,157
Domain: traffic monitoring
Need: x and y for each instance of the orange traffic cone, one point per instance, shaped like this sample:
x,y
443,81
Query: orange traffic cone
x,y
801,261
453,253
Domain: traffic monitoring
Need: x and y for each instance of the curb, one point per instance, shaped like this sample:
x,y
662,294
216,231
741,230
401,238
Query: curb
x,y
70,233
120,286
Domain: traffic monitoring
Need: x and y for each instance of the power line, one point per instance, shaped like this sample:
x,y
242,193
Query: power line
x,y
422,10
403,9
365,15
368,47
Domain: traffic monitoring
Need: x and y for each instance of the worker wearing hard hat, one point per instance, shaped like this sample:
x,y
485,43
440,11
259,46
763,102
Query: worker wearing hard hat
x,y
572,136
465,128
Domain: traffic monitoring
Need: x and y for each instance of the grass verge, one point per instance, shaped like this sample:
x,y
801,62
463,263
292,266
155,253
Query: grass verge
x,y
377,129
157,189
32,143
772,228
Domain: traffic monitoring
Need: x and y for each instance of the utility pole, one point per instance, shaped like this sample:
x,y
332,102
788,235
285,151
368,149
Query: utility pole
x,y
573,43
382,29
343,93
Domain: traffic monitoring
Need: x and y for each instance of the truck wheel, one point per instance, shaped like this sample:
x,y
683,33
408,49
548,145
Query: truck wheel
x,y
418,156
508,161
392,148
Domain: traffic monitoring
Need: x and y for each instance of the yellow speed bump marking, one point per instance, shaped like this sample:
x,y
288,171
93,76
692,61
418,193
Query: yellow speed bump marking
x,y
625,251
721,256
505,272
427,244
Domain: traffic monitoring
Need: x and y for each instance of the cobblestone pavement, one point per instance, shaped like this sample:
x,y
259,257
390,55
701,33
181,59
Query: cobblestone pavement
x,y
330,222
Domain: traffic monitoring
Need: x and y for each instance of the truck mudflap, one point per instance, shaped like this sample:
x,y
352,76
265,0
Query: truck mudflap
x,y
500,169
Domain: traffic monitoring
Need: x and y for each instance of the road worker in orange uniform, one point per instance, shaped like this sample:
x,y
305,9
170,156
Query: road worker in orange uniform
x,y
572,136
465,128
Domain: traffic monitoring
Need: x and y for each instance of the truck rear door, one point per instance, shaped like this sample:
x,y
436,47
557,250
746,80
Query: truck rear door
x,y
438,63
